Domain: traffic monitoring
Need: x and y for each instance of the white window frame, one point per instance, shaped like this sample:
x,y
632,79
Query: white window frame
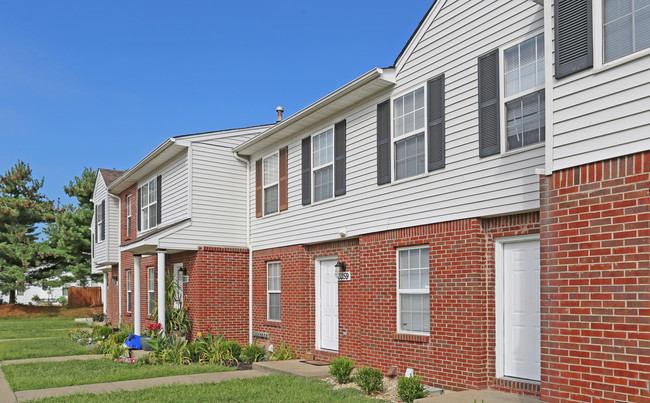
x,y
414,291
597,20
129,223
394,140
151,289
129,291
502,94
276,183
269,291
315,168
144,225
101,232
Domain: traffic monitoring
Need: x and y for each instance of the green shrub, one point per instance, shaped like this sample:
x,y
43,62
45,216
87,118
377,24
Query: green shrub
x,y
232,347
252,353
103,332
409,389
113,349
284,352
369,380
341,369
62,301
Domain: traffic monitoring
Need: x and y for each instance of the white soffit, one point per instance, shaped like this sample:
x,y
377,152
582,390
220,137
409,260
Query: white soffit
x,y
348,96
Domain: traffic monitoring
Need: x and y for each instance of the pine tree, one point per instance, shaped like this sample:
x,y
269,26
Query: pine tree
x,y
69,234
22,209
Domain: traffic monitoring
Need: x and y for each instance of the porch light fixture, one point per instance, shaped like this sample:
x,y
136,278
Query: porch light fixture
x,y
340,265
182,270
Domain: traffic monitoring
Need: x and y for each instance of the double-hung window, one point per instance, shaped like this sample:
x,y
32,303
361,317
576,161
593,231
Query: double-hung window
x,y
151,286
129,290
271,183
128,215
148,205
99,216
273,290
323,165
408,134
625,27
523,89
413,290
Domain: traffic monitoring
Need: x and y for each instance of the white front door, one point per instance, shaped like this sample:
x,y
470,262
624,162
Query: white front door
x,y
327,305
178,279
521,304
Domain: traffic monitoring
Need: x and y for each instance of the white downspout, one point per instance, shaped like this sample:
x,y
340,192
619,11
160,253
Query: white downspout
x,y
119,260
249,245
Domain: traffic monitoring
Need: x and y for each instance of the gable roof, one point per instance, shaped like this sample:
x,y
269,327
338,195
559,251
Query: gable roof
x,y
110,175
418,34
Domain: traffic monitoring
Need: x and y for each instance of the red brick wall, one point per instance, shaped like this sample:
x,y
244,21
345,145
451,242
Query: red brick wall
x,y
458,354
595,255
112,298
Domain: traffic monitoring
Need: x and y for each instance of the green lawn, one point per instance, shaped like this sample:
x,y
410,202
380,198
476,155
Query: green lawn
x,y
36,327
14,350
41,375
276,388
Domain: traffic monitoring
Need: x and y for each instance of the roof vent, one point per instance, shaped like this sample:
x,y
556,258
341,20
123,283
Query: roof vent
x,y
279,110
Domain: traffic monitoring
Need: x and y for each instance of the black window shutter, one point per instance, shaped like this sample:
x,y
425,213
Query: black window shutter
x,y
488,104
306,171
96,225
339,158
383,143
159,204
436,120
103,220
573,37
139,208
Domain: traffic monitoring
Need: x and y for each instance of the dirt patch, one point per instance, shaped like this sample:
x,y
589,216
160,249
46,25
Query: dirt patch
x,y
28,311
389,393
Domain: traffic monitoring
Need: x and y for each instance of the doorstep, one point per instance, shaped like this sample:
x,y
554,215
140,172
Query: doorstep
x,y
485,396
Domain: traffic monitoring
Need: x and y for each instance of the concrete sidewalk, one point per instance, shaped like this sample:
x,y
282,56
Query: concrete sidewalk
x,y
53,359
478,396
135,384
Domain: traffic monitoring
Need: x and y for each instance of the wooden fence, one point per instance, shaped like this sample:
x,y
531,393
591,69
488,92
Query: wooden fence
x,y
88,296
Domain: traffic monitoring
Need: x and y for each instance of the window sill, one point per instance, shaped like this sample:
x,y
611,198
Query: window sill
x,y
520,150
273,323
129,314
623,60
416,338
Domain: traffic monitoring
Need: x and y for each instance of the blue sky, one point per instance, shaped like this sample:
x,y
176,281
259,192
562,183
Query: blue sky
x,y
102,83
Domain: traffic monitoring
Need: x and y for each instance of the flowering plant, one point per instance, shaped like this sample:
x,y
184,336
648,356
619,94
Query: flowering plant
x,y
153,330
125,360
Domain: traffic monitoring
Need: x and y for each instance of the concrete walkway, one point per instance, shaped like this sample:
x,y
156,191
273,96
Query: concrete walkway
x,y
478,396
299,368
52,359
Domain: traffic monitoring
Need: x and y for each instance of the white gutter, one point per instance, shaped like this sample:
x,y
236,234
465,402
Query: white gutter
x,y
249,246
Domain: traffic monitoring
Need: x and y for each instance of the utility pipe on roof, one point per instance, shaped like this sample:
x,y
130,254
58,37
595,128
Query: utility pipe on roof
x,y
248,245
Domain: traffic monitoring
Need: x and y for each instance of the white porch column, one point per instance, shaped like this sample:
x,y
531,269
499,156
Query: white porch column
x,y
161,289
105,293
136,295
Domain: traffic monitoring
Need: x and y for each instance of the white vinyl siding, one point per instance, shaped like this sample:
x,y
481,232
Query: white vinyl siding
x,y
148,205
626,27
129,290
523,82
218,196
129,222
323,165
273,290
408,134
413,290
270,174
175,187
467,187
151,287
602,113
105,252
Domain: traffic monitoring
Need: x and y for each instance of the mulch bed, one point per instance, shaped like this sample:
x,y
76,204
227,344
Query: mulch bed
x,y
17,311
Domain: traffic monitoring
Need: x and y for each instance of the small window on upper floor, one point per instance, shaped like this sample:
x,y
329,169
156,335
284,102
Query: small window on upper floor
x,y
409,141
626,27
128,215
523,89
271,183
148,205
100,222
323,165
